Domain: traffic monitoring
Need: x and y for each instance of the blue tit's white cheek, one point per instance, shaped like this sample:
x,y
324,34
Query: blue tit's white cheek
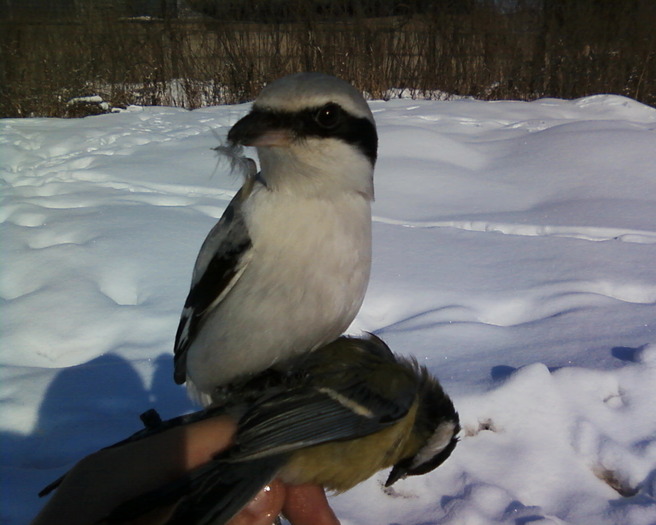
x,y
436,443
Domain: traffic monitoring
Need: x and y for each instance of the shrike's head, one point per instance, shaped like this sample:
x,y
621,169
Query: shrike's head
x,y
314,134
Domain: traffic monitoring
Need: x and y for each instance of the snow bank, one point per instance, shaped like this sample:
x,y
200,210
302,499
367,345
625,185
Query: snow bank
x,y
514,255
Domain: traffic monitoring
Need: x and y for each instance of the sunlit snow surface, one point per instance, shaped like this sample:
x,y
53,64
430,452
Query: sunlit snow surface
x,y
515,256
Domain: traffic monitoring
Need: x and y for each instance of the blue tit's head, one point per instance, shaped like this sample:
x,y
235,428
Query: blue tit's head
x,y
434,432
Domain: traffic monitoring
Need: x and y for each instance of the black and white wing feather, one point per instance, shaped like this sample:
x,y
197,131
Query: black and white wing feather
x,y
312,416
221,261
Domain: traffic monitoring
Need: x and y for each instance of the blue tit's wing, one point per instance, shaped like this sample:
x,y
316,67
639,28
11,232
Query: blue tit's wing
x,y
214,492
310,416
221,261
211,494
217,492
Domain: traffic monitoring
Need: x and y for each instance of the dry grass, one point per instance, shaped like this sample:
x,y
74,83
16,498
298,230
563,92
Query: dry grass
x,y
531,49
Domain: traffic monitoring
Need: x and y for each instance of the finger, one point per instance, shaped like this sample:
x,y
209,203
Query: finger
x,y
264,508
308,505
205,438
103,480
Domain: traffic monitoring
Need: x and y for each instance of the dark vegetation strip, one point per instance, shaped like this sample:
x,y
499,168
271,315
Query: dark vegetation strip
x,y
208,52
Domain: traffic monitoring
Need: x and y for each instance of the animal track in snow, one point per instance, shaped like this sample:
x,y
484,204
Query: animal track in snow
x,y
483,425
588,233
597,450
616,481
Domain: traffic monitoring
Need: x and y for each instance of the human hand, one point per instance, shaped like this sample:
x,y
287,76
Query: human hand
x,y
105,479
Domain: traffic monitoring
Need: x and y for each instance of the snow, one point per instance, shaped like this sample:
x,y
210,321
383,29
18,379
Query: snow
x,y
515,249
91,99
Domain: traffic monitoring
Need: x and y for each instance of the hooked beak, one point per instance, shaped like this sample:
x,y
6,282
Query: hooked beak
x,y
259,129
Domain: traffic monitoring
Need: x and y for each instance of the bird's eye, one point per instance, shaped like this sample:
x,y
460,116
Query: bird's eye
x,y
328,116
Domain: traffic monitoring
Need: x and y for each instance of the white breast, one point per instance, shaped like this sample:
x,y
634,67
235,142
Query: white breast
x,y
303,287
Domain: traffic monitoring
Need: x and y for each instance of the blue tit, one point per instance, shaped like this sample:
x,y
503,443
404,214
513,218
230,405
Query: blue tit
x,y
285,269
334,417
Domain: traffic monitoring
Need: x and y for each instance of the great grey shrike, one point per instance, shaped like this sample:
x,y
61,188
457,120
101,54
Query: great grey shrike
x,y
285,269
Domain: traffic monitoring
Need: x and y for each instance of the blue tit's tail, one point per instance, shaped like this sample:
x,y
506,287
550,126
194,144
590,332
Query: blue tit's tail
x,y
211,494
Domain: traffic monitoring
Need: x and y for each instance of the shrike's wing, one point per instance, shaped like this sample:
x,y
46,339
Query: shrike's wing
x,y
222,259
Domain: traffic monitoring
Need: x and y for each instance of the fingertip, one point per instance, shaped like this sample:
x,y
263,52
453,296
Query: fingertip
x,y
263,508
308,505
